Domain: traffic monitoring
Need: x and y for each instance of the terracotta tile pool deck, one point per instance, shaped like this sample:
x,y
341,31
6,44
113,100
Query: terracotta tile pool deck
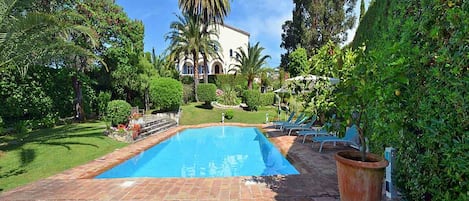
x,y
317,181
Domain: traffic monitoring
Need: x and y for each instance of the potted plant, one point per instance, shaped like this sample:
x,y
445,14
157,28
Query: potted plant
x,y
360,174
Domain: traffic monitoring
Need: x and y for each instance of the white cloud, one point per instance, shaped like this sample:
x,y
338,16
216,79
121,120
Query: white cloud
x,y
263,20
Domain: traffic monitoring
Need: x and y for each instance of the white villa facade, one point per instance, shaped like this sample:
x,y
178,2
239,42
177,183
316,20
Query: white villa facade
x,y
230,40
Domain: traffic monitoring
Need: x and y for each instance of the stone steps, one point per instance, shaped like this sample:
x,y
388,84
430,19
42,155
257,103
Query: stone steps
x,y
154,126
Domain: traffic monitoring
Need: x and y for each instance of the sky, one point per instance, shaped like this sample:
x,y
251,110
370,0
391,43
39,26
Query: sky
x,y
263,19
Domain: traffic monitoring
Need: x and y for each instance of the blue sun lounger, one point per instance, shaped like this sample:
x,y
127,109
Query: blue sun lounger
x,y
289,120
351,136
299,120
315,132
301,127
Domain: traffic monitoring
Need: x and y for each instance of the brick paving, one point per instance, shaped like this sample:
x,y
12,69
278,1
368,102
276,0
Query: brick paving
x,y
317,180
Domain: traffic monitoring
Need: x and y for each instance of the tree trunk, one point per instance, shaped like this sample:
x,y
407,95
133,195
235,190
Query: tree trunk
x,y
196,73
80,64
128,95
78,102
250,84
205,69
147,100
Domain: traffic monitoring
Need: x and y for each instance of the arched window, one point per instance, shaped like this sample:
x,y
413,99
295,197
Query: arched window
x,y
201,68
187,69
190,70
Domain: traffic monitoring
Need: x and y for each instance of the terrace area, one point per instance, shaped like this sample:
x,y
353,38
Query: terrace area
x,y
317,181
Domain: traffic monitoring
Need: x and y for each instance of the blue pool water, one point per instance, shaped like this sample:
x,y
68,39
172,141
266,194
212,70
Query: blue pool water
x,y
221,151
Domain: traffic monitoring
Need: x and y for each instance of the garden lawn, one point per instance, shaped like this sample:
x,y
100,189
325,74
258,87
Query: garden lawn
x,y
39,154
196,113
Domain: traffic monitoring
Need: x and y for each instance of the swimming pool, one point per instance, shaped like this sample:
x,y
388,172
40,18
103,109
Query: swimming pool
x,y
220,151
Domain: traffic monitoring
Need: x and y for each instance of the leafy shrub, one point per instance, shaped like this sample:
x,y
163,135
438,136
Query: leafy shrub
x,y
252,99
229,97
22,97
166,93
188,93
207,92
267,99
256,86
416,57
48,121
239,90
89,96
103,100
20,127
57,85
118,112
229,114
298,62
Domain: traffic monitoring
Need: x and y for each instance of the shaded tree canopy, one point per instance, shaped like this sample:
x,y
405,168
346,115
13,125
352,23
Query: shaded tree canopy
x,y
315,23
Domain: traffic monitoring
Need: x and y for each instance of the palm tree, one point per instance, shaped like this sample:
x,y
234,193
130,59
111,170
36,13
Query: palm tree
x,y
46,38
23,37
250,63
209,48
209,10
187,38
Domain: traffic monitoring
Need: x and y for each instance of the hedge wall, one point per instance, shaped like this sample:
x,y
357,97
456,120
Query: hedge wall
x,y
419,50
267,99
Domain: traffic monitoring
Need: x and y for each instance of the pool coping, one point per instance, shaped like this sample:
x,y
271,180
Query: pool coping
x,y
78,183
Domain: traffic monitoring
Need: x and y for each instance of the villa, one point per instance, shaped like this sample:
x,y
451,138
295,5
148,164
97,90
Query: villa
x,y
230,39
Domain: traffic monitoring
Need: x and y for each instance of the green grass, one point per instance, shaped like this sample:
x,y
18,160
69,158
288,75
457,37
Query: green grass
x,y
34,155
28,157
196,113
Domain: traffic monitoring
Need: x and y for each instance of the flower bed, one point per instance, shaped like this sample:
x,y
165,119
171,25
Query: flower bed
x,y
126,132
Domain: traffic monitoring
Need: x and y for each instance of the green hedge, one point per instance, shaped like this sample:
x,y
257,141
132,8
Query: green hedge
x,y
166,93
267,99
187,80
207,92
417,59
103,100
118,112
188,93
23,98
230,80
252,99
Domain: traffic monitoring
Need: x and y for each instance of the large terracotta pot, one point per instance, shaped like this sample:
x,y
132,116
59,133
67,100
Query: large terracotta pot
x,y
360,181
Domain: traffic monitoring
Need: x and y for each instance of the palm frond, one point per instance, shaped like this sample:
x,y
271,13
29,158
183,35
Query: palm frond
x,y
208,10
249,63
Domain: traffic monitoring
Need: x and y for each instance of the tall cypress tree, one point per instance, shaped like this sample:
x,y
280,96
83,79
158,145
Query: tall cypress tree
x,y
362,9
315,23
